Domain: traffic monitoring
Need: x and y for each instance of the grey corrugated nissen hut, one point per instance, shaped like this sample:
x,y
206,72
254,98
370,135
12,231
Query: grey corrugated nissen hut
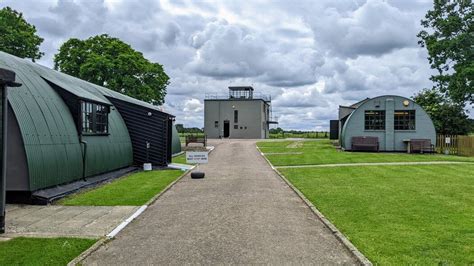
x,y
394,120
62,129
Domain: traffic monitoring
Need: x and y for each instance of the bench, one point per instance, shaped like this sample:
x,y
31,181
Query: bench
x,y
196,139
421,146
365,143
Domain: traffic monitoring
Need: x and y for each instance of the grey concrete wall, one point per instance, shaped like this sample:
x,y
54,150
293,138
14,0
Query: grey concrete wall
x,y
251,123
389,139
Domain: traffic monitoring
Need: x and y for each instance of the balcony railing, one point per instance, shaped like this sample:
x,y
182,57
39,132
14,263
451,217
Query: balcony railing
x,y
256,96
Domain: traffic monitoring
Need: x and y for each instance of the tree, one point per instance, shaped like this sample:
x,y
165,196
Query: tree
x,y
179,128
18,37
109,62
471,126
449,39
277,130
448,117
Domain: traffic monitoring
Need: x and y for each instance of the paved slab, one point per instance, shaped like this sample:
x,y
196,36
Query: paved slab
x,y
240,213
52,221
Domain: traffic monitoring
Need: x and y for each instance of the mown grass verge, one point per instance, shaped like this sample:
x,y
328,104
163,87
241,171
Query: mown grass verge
x,y
180,159
323,152
42,251
132,190
397,215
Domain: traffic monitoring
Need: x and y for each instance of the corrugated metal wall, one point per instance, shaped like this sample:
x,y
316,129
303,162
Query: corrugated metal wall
x,y
147,125
50,135
49,131
107,153
103,153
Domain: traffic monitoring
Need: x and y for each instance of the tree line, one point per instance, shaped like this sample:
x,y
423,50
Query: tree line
x,y
191,130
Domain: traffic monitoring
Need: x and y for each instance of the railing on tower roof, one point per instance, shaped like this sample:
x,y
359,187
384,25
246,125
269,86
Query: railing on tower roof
x,y
255,96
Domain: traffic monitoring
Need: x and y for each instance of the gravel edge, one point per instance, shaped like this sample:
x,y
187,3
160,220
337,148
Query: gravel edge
x,y
343,239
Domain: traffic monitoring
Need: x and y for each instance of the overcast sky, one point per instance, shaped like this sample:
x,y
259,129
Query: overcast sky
x,y
311,56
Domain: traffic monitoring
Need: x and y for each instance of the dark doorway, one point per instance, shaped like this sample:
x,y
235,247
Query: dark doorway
x,y
333,129
226,128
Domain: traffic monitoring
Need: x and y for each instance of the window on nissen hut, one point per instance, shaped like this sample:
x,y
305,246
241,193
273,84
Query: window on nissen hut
x,y
404,120
94,118
374,120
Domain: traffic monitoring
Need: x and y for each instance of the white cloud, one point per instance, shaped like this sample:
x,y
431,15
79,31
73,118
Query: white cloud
x,y
193,105
301,97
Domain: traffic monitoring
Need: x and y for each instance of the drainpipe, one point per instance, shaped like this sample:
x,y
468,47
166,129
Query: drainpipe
x,y
84,153
81,140
7,79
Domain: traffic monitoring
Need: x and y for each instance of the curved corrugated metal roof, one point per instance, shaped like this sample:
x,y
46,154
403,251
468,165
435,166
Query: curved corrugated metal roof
x,y
49,134
84,89
54,154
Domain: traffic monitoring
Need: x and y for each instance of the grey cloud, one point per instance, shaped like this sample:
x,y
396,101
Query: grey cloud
x,y
402,72
171,34
49,26
80,19
292,33
296,68
143,11
374,28
228,51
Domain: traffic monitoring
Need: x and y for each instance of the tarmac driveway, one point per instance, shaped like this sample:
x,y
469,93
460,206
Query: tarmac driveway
x,y
240,213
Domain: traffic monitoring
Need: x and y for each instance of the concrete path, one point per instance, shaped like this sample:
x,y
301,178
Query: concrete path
x,y
240,213
53,221
368,164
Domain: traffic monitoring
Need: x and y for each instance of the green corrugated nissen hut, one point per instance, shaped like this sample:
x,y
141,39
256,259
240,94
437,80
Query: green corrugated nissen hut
x,y
62,129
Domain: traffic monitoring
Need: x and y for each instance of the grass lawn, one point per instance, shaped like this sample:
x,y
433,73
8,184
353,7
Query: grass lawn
x,y
397,215
323,152
42,251
180,159
132,190
182,136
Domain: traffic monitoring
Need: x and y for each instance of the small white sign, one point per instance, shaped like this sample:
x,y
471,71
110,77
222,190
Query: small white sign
x,y
448,140
197,156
